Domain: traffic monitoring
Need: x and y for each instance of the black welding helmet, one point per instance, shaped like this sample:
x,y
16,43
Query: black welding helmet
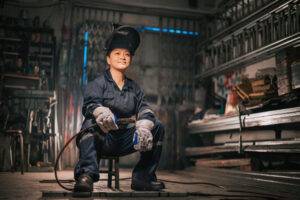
x,y
123,37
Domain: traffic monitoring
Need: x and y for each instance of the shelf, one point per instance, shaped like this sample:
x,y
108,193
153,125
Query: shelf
x,y
11,53
262,119
276,146
41,44
18,81
21,76
33,94
11,39
42,56
252,57
27,29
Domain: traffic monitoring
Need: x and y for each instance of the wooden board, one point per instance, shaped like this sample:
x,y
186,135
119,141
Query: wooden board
x,y
223,162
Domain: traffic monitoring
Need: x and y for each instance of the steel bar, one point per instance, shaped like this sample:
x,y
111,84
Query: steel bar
x,y
297,18
289,19
272,27
260,53
265,29
255,16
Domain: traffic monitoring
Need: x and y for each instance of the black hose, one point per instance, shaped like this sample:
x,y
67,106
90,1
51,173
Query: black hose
x,y
83,131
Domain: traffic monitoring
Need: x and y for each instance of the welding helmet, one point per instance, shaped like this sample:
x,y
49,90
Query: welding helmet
x,y
123,37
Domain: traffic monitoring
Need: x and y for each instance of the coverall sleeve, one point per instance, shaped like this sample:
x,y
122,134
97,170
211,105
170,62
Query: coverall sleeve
x,y
92,98
143,109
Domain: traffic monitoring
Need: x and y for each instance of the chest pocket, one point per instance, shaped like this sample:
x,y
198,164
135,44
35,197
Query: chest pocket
x,y
129,103
108,99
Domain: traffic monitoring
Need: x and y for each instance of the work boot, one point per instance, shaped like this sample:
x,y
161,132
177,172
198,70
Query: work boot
x,y
160,183
142,185
154,179
84,184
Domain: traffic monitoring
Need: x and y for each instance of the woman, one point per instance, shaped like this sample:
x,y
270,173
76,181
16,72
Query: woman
x,y
108,98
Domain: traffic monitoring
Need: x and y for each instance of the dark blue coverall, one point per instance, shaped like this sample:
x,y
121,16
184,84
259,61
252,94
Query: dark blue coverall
x,y
124,103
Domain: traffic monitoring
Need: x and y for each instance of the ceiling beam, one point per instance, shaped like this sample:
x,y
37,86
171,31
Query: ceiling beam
x,y
146,9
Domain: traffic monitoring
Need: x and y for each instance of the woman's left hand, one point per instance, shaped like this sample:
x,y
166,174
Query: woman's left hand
x,y
105,119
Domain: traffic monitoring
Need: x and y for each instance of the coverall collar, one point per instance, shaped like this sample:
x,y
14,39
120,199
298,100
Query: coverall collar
x,y
127,83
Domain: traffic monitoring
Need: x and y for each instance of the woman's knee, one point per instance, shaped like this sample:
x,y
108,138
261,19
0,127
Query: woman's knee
x,y
159,129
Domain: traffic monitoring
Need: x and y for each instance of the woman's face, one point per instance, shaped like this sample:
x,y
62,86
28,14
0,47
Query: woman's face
x,y
119,59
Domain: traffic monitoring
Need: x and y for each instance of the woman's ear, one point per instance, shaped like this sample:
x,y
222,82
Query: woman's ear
x,y
108,60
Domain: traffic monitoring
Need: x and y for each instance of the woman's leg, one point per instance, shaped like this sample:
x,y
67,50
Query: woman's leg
x,y
88,159
148,163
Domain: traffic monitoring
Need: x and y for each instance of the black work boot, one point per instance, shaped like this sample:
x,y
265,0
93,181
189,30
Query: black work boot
x,y
84,184
142,185
159,183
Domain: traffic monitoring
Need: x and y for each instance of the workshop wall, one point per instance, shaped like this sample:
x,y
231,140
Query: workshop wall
x,y
163,65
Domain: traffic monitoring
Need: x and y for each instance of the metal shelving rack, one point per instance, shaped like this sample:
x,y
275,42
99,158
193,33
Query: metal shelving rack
x,y
43,54
26,91
251,39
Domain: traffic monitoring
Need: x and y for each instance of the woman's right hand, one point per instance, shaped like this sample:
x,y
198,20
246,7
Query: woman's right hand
x,y
105,119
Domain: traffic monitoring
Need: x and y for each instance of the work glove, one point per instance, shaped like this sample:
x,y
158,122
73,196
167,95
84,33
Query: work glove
x,y
105,119
143,139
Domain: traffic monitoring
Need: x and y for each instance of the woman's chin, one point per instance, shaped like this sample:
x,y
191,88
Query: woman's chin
x,y
121,68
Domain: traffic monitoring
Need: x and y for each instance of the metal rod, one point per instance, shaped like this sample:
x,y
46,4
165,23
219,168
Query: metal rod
x,y
297,18
272,27
289,17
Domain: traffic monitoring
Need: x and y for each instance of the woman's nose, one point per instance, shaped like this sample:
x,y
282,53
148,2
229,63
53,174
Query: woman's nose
x,y
123,56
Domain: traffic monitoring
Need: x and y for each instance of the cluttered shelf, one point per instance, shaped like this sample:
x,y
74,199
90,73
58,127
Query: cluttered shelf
x,y
261,119
20,76
19,81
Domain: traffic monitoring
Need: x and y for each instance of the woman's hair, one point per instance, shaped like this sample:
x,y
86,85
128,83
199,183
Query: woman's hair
x,y
109,52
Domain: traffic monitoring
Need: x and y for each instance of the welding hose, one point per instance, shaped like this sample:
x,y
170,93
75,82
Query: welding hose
x,y
83,131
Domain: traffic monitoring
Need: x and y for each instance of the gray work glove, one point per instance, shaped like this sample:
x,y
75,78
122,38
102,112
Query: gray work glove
x,y
143,139
105,119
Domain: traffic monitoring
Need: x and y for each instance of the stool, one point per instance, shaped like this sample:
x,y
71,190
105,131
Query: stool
x,y
15,134
112,170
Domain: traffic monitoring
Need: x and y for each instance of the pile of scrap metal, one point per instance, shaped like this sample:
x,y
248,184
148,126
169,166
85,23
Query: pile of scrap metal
x,y
256,91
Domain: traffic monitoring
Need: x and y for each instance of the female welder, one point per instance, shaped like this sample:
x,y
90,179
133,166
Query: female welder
x,y
108,98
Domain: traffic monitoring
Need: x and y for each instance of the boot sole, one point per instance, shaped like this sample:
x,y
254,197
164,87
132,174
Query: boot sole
x,y
141,188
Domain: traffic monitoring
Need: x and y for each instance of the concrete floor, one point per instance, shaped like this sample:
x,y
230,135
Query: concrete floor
x,y
205,183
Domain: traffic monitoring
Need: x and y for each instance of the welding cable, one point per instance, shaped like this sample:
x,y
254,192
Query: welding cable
x,y
83,131
182,182
129,178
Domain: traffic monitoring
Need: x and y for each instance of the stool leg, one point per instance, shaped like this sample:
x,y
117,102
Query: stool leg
x,y
22,153
109,181
11,154
117,180
14,154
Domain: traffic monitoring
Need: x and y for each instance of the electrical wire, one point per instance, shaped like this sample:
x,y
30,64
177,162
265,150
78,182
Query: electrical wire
x,y
59,182
251,195
61,152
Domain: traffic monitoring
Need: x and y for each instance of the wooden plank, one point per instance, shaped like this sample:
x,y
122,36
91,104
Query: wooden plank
x,y
223,162
199,151
268,118
282,148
